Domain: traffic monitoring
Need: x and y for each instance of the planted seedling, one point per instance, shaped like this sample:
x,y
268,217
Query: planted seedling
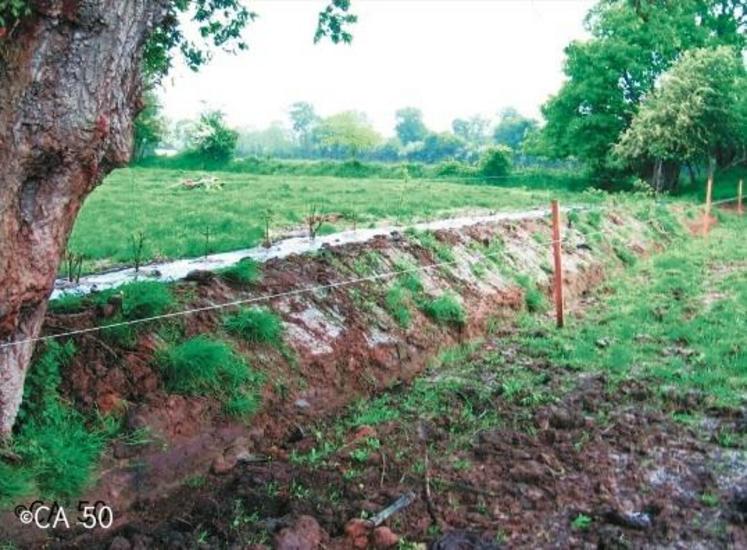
x,y
137,248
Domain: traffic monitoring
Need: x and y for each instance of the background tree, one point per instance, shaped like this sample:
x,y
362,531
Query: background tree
x,y
496,161
150,128
409,125
436,147
346,134
632,43
512,128
275,140
473,130
73,76
694,114
213,140
389,151
303,119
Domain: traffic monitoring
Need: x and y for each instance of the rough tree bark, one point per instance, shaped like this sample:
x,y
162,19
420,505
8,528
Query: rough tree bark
x,y
70,86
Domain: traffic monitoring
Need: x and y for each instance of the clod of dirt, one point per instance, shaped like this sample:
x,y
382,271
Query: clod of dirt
x,y
357,532
364,432
236,453
384,538
564,419
200,276
529,472
304,534
221,466
463,540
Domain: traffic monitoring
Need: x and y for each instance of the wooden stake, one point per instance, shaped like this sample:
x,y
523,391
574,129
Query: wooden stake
x,y
740,208
709,197
558,275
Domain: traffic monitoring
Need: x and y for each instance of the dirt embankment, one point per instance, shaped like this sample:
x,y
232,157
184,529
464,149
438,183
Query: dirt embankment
x,y
341,343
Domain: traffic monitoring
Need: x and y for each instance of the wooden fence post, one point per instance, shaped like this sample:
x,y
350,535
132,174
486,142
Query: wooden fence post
x,y
740,208
709,197
558,275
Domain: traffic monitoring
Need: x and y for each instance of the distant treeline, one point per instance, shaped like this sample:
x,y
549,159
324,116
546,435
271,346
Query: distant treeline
x,y
342,136
570,178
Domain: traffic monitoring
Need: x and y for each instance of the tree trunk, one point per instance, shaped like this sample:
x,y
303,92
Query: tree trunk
x,y
665,175
657,176
691,172
70,86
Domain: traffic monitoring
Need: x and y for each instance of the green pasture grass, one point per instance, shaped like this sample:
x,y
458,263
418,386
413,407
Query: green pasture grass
x,y
675,320
178,222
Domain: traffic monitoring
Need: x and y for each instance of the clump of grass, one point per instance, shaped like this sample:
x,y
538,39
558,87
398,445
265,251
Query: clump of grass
x,y
581,522
124,336
62,451
255,325
429,241
573,217
145,299
58,452
396,305
67,303
534,299
594,219
445,310
140,299
204,366
244,272
242,403
411,282
624,255
400,296
15,483
367,264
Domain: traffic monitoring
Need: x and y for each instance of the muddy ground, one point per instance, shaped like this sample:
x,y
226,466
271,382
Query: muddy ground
x,y
594,466
640,479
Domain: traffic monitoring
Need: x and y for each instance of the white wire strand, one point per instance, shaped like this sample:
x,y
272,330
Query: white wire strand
x,y
274,296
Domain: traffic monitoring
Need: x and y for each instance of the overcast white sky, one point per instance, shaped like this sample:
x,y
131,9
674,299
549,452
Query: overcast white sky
x,y
451,58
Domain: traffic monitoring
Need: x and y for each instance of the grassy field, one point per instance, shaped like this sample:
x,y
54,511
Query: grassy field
x,y
179,222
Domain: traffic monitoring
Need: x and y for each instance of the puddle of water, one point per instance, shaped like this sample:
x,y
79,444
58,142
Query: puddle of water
x,y
178,269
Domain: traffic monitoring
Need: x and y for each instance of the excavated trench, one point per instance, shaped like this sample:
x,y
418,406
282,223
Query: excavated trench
x,y
341,343
291,244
